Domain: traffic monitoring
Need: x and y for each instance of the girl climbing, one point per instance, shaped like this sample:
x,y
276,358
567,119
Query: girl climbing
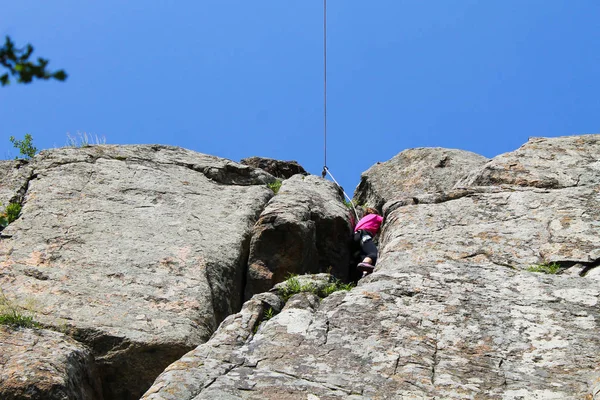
x,y
365,230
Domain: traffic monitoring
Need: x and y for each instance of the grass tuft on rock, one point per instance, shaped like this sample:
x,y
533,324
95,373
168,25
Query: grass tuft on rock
x,y
552,268
15,316
293,286
275,186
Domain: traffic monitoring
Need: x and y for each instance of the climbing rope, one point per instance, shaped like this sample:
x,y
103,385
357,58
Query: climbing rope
x,y
324,88
325,169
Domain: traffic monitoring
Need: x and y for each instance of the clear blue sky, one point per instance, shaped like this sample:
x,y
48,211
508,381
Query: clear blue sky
x,y
239,78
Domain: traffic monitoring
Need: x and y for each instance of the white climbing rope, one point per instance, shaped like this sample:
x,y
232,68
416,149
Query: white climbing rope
x,y
325,169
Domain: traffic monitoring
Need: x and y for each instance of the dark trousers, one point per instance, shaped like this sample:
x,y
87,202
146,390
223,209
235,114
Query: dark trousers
x,y
367,247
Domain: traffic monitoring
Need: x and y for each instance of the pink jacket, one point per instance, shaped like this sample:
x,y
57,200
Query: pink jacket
x,y
371,223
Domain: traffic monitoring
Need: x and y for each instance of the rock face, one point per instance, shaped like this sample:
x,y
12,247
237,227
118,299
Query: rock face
x,y
277,168
39,364
452,310
414,172
303,229
140,251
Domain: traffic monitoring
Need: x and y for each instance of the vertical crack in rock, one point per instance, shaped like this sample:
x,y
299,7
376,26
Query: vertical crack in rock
x,y
19,197
305,228
435,359
247,250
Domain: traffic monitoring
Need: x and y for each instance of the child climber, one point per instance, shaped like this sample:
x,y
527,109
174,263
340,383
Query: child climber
x,y
365,230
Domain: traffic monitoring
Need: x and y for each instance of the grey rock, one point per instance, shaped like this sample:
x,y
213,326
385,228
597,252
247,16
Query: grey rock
x,y
516,228
415,172
201,366
139,250
593,274
38,364
450,311
304,229
543,163
277,168
316,281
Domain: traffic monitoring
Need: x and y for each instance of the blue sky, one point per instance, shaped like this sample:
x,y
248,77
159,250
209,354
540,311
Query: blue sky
x,y
239,78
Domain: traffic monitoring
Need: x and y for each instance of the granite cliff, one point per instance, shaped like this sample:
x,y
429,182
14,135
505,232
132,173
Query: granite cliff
x,y
139,258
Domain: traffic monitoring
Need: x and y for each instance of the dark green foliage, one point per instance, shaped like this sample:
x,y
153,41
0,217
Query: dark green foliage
x,y
25,146
18,64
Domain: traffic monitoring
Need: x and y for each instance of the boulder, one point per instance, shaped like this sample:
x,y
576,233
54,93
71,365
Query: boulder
x,y
277,168
413,172
140,251
452,310
305,228
39,364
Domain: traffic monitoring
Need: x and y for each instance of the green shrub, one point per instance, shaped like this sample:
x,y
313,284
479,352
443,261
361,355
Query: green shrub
x,y
25,146
12,212
551,268
275,186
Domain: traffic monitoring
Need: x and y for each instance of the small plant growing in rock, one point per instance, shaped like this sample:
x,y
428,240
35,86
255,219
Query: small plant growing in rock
x,y
353,203
293,286
552,268
10,214
84,139
267,315
275,186
15,316
25,146
335,286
